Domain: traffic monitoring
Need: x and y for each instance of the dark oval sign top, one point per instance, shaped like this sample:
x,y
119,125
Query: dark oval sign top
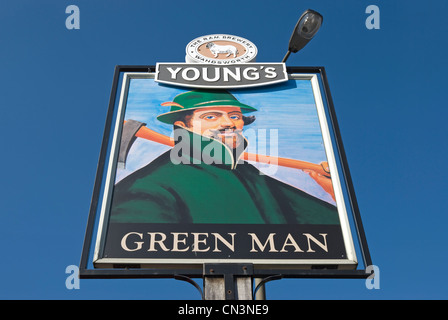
x,y
225,76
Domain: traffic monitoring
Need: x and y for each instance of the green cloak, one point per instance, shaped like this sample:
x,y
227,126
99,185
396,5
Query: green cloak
x,y
227,191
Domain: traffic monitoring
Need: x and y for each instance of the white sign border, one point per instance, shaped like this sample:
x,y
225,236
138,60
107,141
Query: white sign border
x,y
343,264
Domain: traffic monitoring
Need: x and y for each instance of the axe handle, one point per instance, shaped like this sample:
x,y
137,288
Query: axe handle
x,y
149,134
322,169
290,163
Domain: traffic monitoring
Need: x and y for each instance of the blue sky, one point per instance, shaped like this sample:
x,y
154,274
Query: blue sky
x,y
388,87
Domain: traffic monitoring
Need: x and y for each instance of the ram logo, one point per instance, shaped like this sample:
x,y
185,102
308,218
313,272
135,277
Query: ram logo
x,y
216,49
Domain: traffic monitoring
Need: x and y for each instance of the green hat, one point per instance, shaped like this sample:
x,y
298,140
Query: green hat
x,y
197,99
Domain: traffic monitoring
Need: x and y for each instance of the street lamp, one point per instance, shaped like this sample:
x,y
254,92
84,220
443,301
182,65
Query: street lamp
x,y
307,26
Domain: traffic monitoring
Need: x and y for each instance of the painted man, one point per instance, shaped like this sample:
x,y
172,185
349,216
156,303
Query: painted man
x,y
203,180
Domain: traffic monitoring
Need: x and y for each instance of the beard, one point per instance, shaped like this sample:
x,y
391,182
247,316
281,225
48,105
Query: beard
x,y
231,137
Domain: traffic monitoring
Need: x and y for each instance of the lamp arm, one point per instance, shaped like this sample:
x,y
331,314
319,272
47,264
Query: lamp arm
x,y
286,56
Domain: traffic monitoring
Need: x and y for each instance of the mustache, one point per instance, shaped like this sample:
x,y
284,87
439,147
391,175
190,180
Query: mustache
x,y
226,130
219,134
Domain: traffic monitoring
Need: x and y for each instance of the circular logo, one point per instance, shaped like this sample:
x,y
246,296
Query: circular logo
x,y
220,49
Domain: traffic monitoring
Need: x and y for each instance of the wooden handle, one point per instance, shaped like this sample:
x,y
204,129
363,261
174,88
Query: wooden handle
x,y
322,168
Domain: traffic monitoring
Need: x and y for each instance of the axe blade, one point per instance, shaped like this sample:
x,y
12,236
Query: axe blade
x,y
130,128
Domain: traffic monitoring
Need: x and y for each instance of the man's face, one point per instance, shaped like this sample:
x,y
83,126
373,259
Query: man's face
x,y
224,123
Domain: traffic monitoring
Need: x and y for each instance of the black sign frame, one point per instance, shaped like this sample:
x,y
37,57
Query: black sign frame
x,y
125,272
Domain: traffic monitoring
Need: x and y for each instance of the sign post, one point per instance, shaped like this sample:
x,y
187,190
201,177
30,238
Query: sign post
x,y
228,281
224,169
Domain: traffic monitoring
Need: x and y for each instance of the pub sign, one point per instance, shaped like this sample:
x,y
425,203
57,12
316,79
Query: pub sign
x,y
221,160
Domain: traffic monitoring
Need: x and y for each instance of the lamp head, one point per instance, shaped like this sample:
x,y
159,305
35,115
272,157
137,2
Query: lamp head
x,y
306,28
